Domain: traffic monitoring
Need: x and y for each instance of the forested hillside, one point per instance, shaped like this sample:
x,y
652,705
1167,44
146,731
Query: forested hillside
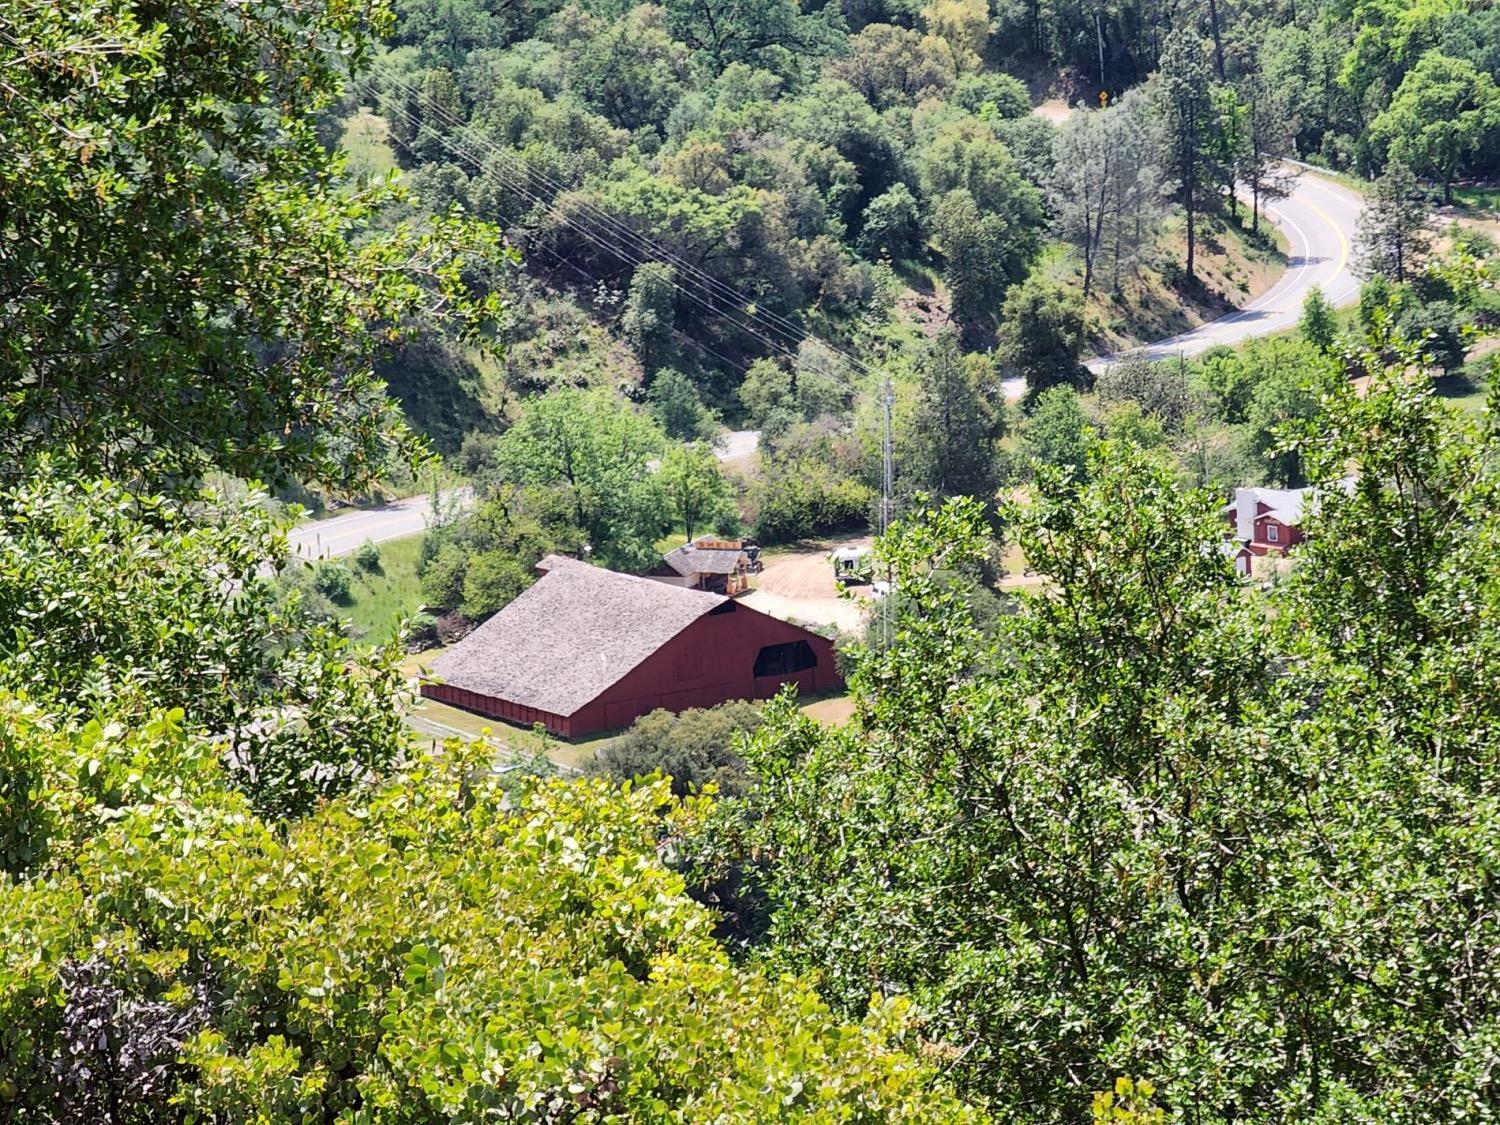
x,y
713,182
1108,826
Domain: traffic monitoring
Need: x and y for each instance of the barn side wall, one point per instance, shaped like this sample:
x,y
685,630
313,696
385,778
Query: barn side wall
x,y
491,707
708,663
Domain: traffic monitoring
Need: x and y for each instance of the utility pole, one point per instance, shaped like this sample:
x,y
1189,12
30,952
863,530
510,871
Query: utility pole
x,y
883,519
1099,34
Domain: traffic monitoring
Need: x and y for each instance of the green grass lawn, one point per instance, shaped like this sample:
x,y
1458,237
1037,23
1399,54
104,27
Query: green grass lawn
x,y
381,599
1486,198
1467,389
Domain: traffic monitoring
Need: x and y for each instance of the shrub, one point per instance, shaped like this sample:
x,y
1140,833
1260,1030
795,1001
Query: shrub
x,y
367,558
443,577
693,748
491,582
333,581
421,632
1319,326
1161,389
806,497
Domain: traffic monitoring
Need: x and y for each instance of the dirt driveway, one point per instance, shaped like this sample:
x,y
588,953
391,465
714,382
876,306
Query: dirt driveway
x,y
798,585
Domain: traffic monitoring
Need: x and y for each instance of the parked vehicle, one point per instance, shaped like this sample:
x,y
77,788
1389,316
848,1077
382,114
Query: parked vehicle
x,y
853,565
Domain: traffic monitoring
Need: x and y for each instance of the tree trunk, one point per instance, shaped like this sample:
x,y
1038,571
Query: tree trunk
x,y
1213,23
1190,248
1190,208
1096,236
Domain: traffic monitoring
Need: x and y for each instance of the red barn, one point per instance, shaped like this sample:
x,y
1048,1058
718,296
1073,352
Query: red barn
x,y
588,650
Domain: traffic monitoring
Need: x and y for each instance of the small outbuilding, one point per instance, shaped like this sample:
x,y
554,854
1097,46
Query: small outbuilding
x,y
587,650
720,566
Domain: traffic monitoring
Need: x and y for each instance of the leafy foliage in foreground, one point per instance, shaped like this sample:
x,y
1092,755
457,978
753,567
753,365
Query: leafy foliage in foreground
x,y
188,282
118,604
1160,824
437,948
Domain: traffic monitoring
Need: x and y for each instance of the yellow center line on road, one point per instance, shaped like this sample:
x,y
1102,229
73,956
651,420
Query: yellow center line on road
x,y
1344,248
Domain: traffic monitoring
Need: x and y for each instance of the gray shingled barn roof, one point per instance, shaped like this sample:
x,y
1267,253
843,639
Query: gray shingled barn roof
x,y
570,636
691,559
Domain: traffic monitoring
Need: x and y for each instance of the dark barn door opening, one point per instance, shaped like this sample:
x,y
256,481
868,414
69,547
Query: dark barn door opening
x,y
784,660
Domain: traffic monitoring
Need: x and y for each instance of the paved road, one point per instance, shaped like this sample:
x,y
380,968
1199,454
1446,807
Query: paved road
x,y
343,535
1319,219
737,444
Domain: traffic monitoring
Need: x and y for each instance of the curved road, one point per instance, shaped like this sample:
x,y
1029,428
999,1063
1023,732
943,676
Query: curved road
x,y
1318,218
343,535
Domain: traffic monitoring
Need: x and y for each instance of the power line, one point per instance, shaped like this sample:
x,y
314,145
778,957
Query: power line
x,y
458,150
641,243
595,239
646,244
622,230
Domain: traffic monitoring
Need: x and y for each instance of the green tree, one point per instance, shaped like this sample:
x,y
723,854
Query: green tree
x,y
766,391
1056,432
1268,126
443,576
802,496
893,66
964,154
770,34
585,444
677,408
977,265
1395,228
126,604
630,69
1182,95
892,225
225,292
694,748
1445,113
1161,389
650,318
695,485
1016,776
1302,65
992,95
492,580
1106,186
950,444
814,386
1319,325
451,973
1288,396
1041,335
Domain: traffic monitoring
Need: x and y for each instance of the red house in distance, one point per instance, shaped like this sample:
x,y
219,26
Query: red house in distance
x,y
587,650
1266,521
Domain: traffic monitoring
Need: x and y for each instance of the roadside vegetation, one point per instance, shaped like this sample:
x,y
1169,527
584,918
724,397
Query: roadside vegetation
x,y
1131,839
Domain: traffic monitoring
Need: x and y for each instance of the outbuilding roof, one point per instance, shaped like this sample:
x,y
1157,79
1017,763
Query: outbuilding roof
x,y
572,635
691,559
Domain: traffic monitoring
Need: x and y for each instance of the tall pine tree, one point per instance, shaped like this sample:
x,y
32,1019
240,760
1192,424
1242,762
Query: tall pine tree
x,y
1395,229
1184,103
